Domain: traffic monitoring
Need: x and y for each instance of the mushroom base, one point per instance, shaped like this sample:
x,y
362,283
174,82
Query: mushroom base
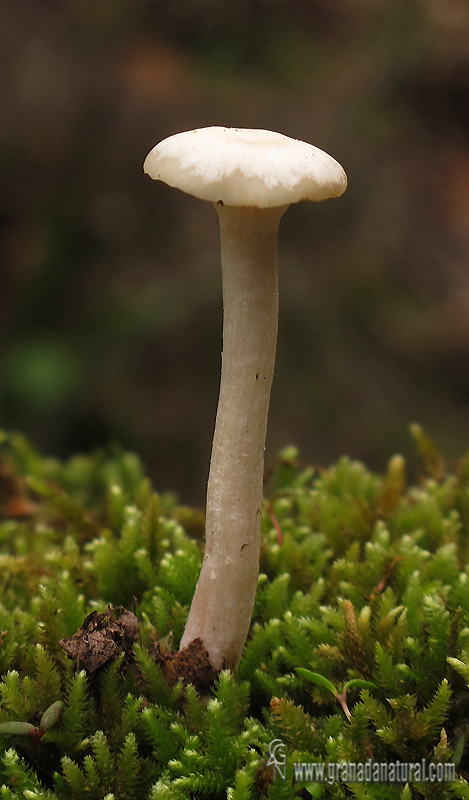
x,y
222,606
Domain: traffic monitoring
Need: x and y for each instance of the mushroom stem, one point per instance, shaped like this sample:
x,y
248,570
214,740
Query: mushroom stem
x,y
221,609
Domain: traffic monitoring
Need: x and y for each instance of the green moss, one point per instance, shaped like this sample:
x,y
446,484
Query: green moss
x,y
358,649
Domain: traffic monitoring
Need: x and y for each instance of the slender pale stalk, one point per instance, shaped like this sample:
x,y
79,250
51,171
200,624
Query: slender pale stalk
x,y
224,597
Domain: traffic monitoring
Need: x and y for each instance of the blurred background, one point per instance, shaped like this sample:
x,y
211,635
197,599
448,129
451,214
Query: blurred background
x,y
110,300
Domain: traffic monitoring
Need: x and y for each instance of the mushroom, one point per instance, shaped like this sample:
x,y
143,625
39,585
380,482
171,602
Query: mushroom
x,y
251,176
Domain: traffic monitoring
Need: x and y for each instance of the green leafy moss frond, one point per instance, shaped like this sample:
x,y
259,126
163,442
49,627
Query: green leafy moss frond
x,y
363,585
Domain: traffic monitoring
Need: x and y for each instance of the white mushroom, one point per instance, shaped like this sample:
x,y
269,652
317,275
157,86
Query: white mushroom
x,y
251,176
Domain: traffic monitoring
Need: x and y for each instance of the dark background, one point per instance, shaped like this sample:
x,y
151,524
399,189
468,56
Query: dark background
x,y
110,301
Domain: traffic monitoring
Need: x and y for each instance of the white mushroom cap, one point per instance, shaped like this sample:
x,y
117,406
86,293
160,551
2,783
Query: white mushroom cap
x,y
242,167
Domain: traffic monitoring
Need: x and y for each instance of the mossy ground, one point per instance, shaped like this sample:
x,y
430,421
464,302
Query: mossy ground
x,y
363,582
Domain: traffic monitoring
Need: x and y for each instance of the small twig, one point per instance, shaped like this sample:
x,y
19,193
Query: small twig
x,y
275,521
